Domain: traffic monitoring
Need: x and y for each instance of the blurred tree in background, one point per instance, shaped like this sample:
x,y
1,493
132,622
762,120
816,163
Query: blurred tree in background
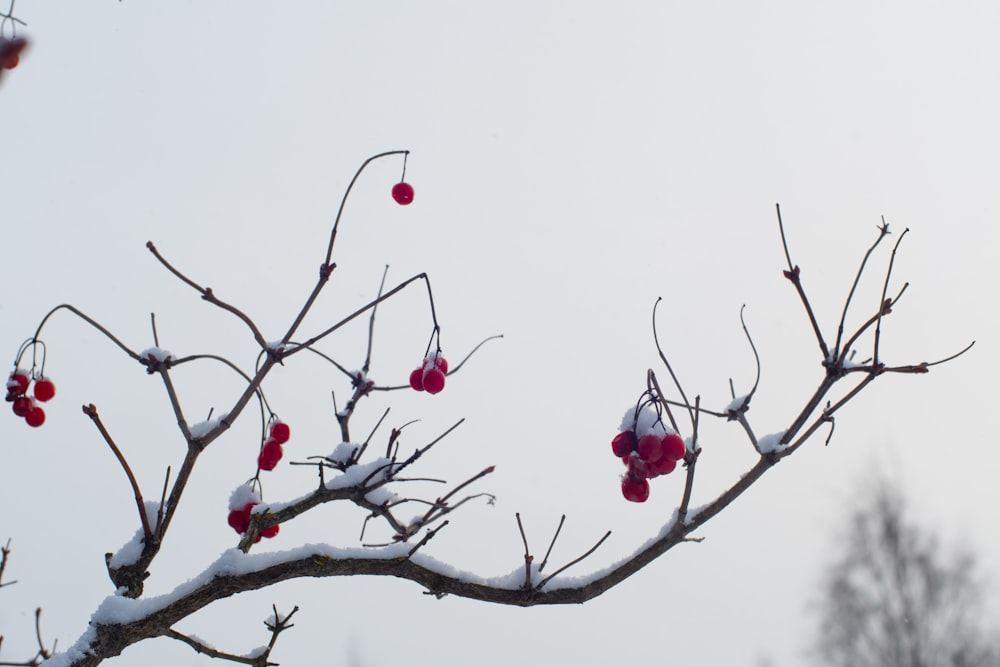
x,y
895,597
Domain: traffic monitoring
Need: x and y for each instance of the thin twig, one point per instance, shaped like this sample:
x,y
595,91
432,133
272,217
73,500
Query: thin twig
x,y
163,500
205,649
545,560
784,241
666,363
42,651
91,411
427,538
454,369
527,553
885,288
360,311
420,452
756,357
360,451
885,309
208,295
794,275
928,364
175,404
441,507
883,232
5,551
541,584
371,324
152,322
110,336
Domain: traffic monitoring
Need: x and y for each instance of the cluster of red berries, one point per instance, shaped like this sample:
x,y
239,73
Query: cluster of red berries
x,y
26,406
10,52
430,375
271,452
241,504
653,453
402,192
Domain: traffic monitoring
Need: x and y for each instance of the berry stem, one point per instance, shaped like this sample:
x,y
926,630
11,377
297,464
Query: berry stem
x,y
343,201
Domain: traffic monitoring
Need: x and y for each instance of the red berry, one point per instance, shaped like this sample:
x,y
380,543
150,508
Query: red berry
x,y
10,52
35,416
22,406
280,432
441,363
269,455
664,466
239,522
417,379
639,468
623,444
270,531
402,192
433,380
673,447
240,519
18,382
649,448
45,389
635,489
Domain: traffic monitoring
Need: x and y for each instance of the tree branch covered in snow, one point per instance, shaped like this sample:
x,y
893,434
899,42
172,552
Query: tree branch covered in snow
x,y
373,478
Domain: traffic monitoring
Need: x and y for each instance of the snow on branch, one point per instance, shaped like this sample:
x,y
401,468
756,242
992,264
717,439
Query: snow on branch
x,y
659,434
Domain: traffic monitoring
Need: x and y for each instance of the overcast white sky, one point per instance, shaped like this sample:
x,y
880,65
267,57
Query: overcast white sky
x,y
572,162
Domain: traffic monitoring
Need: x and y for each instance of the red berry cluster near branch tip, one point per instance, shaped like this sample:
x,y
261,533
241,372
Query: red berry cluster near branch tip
x,y
402,192
241,505
430,375
27,406
272,452
647,456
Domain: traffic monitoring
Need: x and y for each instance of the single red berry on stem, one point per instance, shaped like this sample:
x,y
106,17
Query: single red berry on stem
x,y
417,379
10,51
45,389
638,468
270,531
623,444
269,455
649,448
402,192
635,489
433,380
22,405
673,447
664,466
280,432
35,416
18,382
441,363
239,521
